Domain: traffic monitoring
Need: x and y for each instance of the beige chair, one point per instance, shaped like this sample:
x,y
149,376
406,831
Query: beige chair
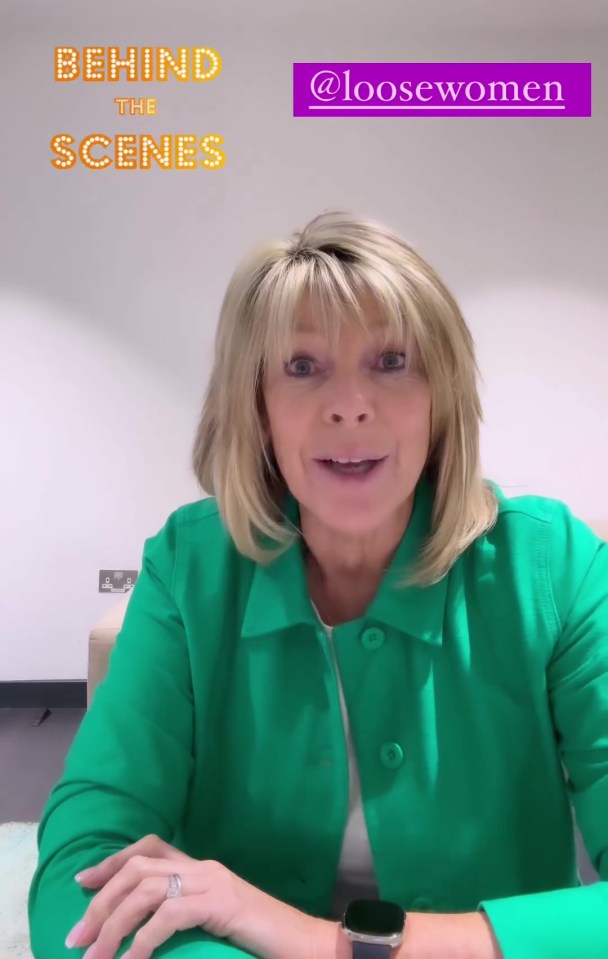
x,y
101,641
103,635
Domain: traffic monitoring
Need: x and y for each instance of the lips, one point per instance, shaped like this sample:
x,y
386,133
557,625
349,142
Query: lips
x,y
350,457
350,477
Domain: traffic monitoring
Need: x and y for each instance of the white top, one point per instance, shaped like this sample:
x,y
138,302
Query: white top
x,y
356,877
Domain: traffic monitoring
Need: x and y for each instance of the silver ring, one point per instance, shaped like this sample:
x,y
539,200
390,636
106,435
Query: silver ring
x,y
174,888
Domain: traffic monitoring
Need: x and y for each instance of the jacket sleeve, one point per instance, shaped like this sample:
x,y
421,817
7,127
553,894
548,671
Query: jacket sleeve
x,y
128,769
573,922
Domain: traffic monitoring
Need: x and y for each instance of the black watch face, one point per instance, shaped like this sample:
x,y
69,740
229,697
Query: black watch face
x,y
374,917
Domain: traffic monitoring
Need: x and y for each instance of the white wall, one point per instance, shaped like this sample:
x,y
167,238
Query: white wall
x,y
110,282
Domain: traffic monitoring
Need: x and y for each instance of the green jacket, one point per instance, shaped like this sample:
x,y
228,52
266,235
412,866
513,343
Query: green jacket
x,y
218,727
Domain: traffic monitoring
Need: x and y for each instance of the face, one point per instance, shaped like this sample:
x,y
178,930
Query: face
x,y
320,404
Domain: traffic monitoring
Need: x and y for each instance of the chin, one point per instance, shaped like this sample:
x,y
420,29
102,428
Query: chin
x,y
353,517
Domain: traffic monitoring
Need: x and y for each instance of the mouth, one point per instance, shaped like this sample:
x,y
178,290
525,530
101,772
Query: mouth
x,y
353,472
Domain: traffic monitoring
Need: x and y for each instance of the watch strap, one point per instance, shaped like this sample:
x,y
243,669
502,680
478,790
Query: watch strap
x,y
370,950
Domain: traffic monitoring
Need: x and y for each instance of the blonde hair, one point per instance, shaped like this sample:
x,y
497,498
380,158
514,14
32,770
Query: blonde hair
x,y
337,260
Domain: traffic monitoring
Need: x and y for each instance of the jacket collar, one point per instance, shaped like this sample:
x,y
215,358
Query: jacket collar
x,y
279,598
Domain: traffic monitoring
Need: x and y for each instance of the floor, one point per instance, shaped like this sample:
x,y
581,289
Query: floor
x,y
32,757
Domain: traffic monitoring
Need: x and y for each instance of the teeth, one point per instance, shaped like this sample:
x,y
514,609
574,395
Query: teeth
x,y
347,461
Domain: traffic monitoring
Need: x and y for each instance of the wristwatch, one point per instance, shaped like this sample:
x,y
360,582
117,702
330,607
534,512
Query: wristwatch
x,y
374,926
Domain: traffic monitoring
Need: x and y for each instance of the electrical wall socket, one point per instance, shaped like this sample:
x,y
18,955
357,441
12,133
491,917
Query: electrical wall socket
x,y
117,580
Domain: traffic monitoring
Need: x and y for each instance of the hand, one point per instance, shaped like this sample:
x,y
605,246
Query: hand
x,y
135,882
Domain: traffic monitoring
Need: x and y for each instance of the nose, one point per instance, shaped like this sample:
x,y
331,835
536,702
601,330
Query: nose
x,y
340,418
348,404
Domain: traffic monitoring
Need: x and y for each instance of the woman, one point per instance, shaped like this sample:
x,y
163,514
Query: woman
x,y
356,681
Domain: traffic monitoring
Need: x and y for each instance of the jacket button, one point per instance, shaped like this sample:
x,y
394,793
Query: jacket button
x,y
372,638
391,755
421,905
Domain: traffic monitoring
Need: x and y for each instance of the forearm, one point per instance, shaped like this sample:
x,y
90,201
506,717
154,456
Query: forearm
x,y
465,935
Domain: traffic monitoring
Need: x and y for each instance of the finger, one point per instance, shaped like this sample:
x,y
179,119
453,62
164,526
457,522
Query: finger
x,y
127,916
150,845
109,900
172,915
89,878
95,874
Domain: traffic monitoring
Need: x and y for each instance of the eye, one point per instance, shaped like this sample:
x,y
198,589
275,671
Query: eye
x,y
302,358
393,369
297,359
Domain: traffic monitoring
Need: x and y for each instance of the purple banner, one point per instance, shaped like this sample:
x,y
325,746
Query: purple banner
x,y
442,89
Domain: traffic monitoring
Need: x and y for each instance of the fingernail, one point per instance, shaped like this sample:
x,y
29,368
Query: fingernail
x,y
75,935
85,874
